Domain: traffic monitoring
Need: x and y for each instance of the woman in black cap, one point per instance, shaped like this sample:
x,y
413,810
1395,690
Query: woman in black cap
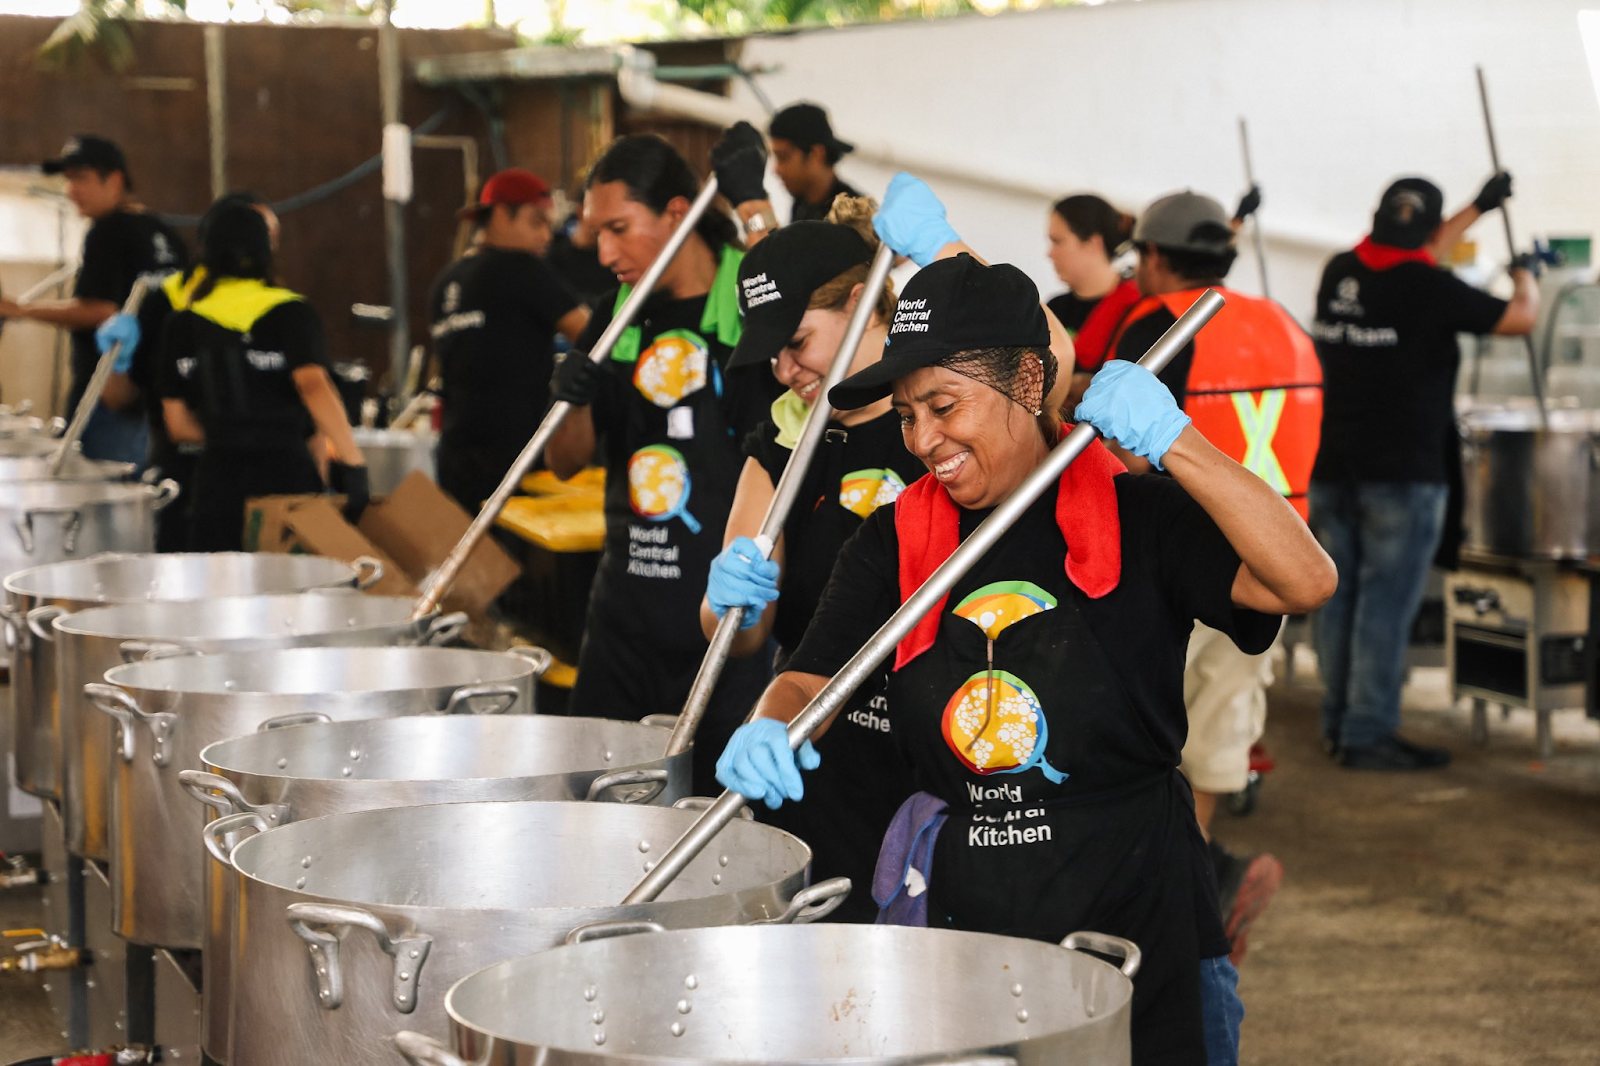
x,y
244,373
1040,706
798,289
672,414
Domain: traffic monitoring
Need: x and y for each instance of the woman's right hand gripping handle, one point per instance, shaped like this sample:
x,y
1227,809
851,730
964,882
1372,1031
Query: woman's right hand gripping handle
x,y
758,765
742,576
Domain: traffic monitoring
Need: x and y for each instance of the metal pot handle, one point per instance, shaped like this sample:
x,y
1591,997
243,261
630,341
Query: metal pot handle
x,y
283,721
167,490
323,925
701,804
461,699
369,571
444,629
14,621
421,1050
224,797
541,659
655,778
69,535
217,834
134,651
606,930
812,904
39,620
660,721
125,709
1106,944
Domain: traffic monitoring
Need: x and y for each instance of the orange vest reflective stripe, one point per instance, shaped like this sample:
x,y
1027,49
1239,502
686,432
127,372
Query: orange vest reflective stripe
x,y
1254,387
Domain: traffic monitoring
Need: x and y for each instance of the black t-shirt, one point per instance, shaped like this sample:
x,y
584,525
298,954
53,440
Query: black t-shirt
x,y
818,212
239,383
1071,310
1387,342
117,250
494,314
1145,331
579,269
1176,568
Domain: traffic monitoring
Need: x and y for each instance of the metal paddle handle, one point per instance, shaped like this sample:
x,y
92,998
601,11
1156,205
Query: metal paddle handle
x,y
783,498
1254,221
1535,372
48,282
926,598
438,584
97,384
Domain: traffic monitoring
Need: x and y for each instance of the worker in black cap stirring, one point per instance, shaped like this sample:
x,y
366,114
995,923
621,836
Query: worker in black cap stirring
x,y
1385,331
804,154
125,241
1040,705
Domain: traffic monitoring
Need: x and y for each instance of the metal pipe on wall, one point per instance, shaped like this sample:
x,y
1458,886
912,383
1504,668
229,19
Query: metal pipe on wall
x,y
394,206
217,107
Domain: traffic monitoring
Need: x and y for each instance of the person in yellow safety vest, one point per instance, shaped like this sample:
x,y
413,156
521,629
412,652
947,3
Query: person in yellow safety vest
x,y
1252,385
244,371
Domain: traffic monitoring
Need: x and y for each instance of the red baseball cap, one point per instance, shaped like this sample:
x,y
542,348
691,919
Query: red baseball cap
x,y
514,186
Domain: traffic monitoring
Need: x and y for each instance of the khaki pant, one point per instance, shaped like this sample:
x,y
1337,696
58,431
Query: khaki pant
x,y
1225,691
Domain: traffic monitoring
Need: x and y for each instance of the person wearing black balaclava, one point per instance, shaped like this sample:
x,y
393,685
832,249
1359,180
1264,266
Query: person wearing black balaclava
x,y
244,372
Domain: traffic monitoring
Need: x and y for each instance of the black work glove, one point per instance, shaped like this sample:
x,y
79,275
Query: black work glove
x,y
739,161
1495,191
1532,262
1249,203
351,483
577,378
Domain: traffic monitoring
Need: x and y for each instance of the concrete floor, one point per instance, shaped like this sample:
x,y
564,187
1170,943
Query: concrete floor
x,y
1427,919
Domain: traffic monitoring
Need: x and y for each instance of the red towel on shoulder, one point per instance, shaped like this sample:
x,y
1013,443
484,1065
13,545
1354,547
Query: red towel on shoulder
x,y
927,524
1375,256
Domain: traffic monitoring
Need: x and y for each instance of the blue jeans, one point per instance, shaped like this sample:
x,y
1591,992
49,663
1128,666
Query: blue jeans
x,y
1221,1010
1382,536
116,436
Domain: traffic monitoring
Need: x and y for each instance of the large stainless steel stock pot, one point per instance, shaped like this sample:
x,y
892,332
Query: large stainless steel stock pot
x,y
1532,490
391,454
885,995
27,457
49,521
96,640
166,711
352,926
36,597
306,771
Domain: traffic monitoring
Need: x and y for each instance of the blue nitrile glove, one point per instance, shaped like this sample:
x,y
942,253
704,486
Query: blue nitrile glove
x,y
911,221
1130,405
741,577
758,764
119,327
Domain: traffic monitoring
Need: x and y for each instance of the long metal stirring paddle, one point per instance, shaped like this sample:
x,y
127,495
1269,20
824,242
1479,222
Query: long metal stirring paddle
x,y
97,384
1535,371
783,497
926,598
439,582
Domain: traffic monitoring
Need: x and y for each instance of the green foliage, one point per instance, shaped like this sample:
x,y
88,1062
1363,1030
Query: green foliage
x,y
735,16
95,30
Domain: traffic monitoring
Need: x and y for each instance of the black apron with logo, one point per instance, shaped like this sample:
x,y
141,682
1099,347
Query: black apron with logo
x,y
851,798
672,464
1062,816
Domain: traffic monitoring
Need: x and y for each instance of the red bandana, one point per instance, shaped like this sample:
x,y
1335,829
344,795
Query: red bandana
x,y
927,523
1376,256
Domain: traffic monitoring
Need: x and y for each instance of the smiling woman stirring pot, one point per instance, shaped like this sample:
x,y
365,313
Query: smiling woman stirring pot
x,y
1041,705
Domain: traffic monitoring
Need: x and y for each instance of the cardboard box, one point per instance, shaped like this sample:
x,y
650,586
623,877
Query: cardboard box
x,y
410,532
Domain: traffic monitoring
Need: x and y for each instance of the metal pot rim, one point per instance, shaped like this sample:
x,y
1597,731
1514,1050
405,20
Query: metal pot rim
x,y
36,580
167,673
380,612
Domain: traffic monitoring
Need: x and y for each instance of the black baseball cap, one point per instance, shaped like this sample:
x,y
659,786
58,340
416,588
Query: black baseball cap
x,y
951,306
779,275
1411,209
86,150
804,125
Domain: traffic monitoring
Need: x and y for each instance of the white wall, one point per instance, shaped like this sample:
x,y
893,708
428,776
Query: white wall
x,y
1133,100
36,232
